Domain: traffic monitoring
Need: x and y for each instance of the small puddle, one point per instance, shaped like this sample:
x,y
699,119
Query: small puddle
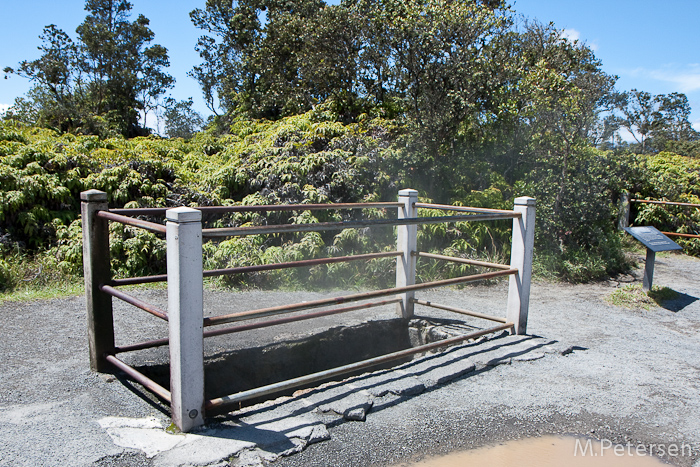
x,y
552,451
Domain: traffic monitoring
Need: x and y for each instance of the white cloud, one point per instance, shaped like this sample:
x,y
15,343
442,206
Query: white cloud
x,y
571,34
687,82
687,79
3,108
574,35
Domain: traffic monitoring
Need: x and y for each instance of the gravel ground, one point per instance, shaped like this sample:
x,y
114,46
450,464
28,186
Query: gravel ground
x,y
632,376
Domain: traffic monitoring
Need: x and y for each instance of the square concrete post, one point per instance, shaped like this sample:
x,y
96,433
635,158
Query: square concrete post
x,y
185,316
623,218
97,271
406,241
521,259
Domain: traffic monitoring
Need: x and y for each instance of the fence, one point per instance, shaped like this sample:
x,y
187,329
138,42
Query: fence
x,y
185,316
625,205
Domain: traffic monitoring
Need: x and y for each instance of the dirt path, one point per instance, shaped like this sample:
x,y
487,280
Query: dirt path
x,y
632,376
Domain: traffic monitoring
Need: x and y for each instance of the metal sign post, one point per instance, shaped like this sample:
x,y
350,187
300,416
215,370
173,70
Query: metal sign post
x,y
654,241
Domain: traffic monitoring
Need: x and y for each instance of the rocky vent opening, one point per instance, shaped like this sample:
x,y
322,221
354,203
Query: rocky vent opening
x,y
229,372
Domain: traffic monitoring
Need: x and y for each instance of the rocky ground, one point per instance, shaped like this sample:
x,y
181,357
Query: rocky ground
x,y
587,367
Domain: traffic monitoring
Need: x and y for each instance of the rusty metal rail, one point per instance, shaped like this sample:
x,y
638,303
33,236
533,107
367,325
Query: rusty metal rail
x,y
669,203
453,259
140,378
261,267
674,234
459,310
258,325
322,226
152,309
146,225
261,208
260,313
446,207
234,399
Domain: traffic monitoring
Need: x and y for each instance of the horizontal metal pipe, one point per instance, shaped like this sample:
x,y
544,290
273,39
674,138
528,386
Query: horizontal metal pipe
x,y
322,226
234,399
141,345
350,298
261,208
648,201
139,280
152,309
290,319
458,310
298,264
262,324
462,260
146,225
674,234
445,207
140,378
260,267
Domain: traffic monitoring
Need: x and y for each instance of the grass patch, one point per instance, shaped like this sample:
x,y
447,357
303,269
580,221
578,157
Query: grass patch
x,y
662,294
633,297
29,293
38,277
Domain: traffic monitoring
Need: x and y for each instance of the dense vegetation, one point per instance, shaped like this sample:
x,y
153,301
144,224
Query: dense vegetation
x,y
347,103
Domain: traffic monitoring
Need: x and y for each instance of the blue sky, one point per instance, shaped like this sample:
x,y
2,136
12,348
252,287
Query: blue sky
x,y
651,45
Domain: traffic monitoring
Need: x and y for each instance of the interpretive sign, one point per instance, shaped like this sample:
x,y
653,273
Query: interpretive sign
x,y
654,241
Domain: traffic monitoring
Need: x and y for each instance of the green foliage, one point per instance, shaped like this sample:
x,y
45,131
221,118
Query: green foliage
x,y
295,160
670,177
38,276
6,279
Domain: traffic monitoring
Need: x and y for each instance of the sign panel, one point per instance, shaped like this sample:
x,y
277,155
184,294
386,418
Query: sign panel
x,y
653,239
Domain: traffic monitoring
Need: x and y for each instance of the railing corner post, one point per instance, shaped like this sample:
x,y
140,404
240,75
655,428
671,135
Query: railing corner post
x,y
406,241
185,316
521,259
623,220
96,272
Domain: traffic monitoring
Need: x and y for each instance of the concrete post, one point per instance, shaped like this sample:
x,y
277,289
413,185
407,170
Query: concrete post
x,y
521,259
97,271
185,316
406,241
624,216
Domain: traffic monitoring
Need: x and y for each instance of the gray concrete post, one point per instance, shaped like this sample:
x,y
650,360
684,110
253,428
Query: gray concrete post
x,y
97,271
521,259
406,241
185,316
624,215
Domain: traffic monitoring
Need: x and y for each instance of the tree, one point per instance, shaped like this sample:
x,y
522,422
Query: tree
x,y
659,122
674,124
181,120
641,116
56,79
417,58
299,56
109,74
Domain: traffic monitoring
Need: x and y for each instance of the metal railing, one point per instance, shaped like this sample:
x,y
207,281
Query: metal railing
x,y
185,316
626,201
